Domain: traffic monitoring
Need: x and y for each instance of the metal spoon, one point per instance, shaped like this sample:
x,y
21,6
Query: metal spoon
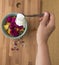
x,y
34,15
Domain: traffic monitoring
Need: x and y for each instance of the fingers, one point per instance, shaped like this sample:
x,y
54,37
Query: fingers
x,y
45,19
40,19
48,20
51,23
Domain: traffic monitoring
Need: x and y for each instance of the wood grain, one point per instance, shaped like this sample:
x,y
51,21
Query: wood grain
x,y
27,50
25,55
53,6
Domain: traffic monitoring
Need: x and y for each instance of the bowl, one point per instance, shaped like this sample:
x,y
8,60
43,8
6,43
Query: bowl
x,y
5,32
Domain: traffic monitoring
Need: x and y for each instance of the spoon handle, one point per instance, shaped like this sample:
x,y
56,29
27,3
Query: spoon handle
x,y
35,15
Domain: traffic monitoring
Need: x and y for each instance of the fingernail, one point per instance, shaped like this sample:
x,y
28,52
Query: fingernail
x,y
45,13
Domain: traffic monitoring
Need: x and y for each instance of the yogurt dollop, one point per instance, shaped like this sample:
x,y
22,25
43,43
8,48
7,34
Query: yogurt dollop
x,y
20,20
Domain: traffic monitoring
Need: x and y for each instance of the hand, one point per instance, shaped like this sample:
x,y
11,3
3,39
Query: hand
x,y
46,27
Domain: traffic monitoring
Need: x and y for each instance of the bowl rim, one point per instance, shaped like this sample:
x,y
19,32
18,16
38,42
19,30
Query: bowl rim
x,y
6,35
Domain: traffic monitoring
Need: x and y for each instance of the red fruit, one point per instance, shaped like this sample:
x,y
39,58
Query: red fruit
x,y
9,19
14,33
13,20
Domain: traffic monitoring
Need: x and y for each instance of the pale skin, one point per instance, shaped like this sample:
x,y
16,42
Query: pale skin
x,y
46,27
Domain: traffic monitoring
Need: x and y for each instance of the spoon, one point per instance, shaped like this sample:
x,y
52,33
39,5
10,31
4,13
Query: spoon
x,y
34,15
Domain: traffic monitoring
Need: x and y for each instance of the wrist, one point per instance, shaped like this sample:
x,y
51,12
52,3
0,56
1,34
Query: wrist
x,y
41,42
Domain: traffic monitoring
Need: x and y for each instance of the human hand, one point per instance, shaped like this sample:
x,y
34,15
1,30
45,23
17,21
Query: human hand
x,y
46,27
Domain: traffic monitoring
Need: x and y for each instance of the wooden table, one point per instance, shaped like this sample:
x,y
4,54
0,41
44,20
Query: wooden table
x,y
53,6
26,46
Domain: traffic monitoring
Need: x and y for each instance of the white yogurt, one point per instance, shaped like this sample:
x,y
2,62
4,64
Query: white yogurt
x,y
20,20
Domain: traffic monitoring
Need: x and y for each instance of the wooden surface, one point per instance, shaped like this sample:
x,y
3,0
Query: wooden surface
x,y
26,55
53,6
27,45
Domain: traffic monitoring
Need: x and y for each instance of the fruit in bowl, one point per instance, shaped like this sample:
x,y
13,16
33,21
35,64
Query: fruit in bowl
x,y
14,25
